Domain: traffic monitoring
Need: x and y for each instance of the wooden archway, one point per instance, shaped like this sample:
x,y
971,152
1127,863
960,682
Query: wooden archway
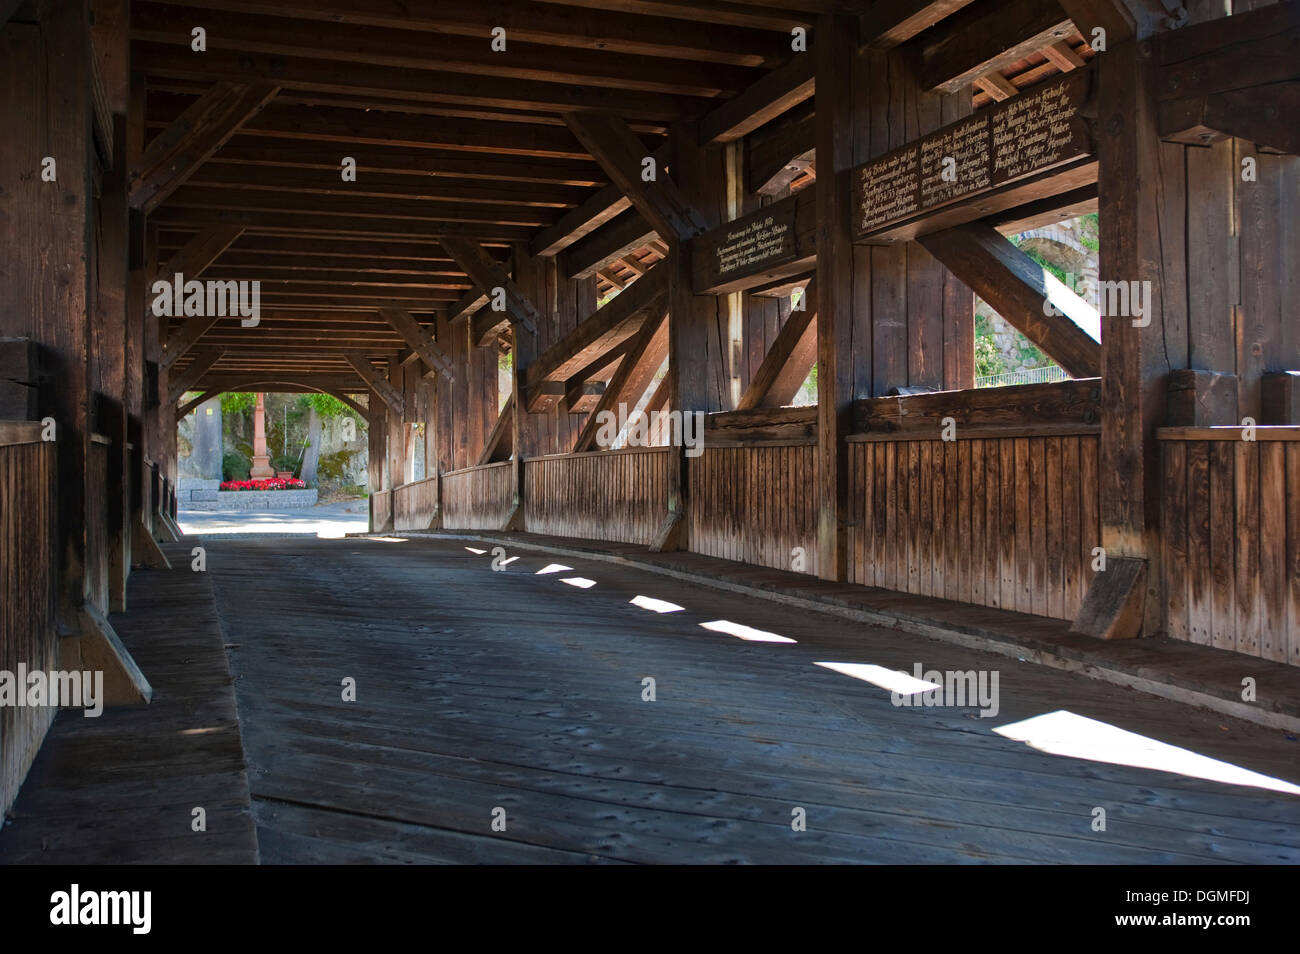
x,y
259,384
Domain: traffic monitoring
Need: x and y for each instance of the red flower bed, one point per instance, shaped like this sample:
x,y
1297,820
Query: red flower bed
x,y
274,483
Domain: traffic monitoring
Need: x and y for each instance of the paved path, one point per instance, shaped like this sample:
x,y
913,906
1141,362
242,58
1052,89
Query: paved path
x,y
516,696
324,520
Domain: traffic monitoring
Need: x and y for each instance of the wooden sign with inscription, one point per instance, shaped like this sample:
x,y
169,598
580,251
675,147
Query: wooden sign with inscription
x,y
982,160
774,241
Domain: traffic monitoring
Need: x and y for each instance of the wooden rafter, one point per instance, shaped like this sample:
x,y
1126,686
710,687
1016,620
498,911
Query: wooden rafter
x,y
988,37
769,97
619,152
200,252
195,135
887,23
185,338
486,273
188,379
404,323
377,382
1238,76
606,329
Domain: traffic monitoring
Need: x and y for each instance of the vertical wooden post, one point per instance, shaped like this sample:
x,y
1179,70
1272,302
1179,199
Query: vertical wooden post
x,y
46,235
835,47
693,380
525,352
1134,365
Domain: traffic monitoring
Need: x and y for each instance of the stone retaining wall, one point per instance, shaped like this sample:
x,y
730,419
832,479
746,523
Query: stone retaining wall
x,y
249,500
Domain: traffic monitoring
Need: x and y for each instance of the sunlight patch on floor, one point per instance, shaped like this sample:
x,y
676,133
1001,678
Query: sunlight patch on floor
x,y
749,633
891,679
1076,736
654,605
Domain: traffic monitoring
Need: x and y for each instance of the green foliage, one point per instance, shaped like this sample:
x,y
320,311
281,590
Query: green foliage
x,y
327,406
235,466
1090,231
333,466
1056,270
988,359
238,402
285,462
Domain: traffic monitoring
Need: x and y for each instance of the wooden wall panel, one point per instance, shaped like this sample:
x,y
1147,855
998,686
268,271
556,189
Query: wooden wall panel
x,y
995,521
414,504
562,302
755,504
27,591
97,504
478,498
608,495
1231,576
381,511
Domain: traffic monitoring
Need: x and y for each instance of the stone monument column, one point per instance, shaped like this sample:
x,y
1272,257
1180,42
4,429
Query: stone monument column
x,y
261,459
206,455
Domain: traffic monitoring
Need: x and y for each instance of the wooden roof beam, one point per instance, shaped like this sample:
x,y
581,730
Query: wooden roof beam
x,y
887,23
267,32
606,30
621,236
997,86
377,382
186,338
604,206
622,155
607,328
195,135
778,154
418,339
187,380
485,272
1018,288
385,83
988,36
192,259
769,97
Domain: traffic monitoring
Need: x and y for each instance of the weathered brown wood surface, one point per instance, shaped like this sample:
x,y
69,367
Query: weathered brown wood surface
x,y
463,705
1232,551
477,497
414,504
608,495
1008,522
27,610
121,788
756,504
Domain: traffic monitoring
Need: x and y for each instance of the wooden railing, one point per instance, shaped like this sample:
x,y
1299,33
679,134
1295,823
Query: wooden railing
x,y
608,495
756,504
997,521
28,577
414,504
478,498
1231,522
381,511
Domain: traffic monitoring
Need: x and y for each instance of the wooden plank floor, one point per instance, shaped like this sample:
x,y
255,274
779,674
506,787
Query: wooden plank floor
x,y
121,788
479,690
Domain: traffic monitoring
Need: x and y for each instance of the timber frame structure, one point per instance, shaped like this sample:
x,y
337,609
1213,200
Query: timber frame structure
x,y
624,197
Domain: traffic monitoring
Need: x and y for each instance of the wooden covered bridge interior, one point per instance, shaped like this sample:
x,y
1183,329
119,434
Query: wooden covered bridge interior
x,y
682,208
